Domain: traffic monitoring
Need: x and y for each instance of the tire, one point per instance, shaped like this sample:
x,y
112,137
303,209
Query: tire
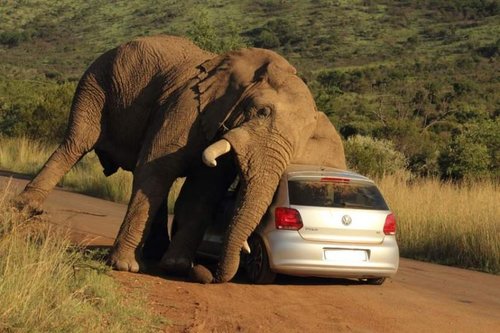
x,y
257,262
375,281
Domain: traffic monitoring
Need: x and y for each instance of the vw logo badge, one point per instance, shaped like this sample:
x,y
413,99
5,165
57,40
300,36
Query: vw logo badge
x,y
346,220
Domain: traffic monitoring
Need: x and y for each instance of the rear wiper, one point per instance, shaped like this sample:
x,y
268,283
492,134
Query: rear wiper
x,y
352,205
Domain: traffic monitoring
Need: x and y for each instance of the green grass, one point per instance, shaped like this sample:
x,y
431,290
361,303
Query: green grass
x,y
446,223
49,285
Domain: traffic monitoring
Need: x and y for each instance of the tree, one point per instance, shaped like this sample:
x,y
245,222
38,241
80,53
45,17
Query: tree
x,y
474,151
206,35
43,115
464,159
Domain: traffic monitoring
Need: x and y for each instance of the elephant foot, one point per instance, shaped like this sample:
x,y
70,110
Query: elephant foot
x,y
24,203
153,250
124,261
155,247
179,265
201,274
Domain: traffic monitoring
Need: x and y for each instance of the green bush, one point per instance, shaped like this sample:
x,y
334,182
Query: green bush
x,y
420,147
206,35
267,39
275,33
286,30
464,159
273,5
490,50
43,115
474,152
352,81
13,38
373,157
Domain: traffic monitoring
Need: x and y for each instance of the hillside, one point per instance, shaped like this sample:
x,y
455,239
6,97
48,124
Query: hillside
x,y
423,74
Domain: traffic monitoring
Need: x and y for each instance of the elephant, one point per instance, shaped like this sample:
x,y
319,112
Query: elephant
x,y
201,194
163,108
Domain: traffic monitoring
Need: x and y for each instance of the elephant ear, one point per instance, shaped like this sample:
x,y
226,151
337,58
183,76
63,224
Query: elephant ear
x,y
214,94
273,72
224,79
324,147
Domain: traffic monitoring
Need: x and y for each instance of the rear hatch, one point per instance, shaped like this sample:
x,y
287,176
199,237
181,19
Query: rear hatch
x,y
340,210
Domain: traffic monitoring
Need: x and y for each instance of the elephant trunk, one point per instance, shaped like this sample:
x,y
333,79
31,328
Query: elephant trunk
x,y
256,193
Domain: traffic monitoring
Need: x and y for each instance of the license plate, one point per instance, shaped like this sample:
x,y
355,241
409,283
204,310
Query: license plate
x,y
346,255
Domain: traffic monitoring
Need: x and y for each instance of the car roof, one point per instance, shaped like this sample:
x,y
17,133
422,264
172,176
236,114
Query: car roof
x,y
313,171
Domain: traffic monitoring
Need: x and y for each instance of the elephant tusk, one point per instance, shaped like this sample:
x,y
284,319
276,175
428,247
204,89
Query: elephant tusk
x,y
246,247
215,150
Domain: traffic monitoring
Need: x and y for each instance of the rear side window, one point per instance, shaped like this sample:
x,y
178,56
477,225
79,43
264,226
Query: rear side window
x,y
342,193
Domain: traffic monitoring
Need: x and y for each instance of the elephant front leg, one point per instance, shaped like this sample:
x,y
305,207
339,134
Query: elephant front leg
x,y
179,257
195,208
148,194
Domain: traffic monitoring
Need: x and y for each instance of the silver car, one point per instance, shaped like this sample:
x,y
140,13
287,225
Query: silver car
x,y
323,222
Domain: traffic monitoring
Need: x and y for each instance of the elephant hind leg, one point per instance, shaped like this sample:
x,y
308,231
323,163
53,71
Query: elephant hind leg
x,y
84,130
59,163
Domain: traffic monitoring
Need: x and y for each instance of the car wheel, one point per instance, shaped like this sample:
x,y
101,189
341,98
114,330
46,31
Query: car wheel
x,y
257,262
375,281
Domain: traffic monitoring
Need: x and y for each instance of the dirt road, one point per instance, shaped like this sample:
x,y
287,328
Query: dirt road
x,y
421,298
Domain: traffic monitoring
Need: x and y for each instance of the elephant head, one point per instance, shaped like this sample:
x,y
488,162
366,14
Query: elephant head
x,y
253,104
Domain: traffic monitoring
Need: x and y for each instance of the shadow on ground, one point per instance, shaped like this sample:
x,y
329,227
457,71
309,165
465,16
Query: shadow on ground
x,y
101,252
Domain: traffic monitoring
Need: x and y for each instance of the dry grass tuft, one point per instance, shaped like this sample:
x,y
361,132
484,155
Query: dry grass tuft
x,y
28,156
48,285
447,223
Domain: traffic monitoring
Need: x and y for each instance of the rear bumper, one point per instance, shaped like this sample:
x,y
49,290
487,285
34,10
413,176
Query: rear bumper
x,y
290,254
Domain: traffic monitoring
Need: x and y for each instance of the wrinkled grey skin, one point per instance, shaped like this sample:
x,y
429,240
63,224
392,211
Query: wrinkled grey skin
x,y
201,195
156,104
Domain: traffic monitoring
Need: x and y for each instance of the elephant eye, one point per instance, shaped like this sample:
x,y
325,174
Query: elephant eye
x,y
264,112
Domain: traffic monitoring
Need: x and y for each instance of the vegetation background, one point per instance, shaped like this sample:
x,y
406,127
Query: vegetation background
x,y
423,74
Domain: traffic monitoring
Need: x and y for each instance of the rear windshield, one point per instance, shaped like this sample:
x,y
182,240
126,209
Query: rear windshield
x,y
337,194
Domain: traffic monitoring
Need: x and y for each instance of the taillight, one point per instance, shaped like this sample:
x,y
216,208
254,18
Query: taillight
x,y
287,218
335,180
390,225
